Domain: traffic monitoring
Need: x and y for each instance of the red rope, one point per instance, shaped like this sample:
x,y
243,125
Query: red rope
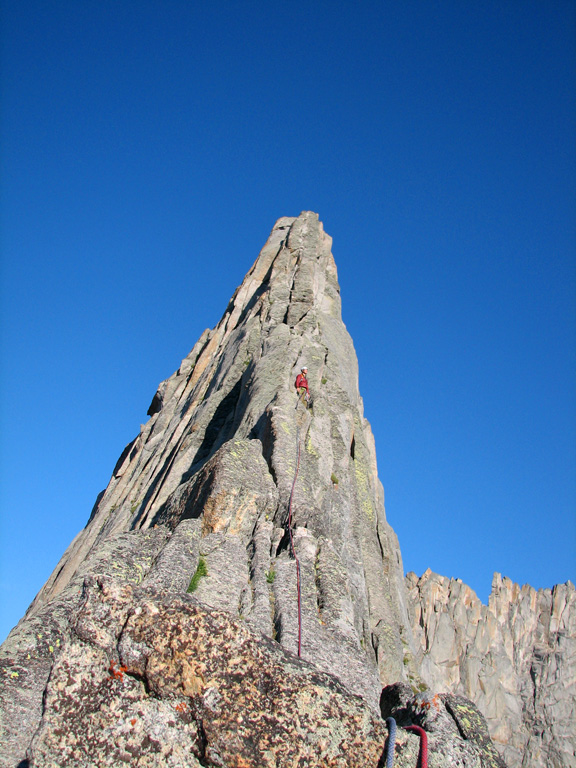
x,y
423,756
292,544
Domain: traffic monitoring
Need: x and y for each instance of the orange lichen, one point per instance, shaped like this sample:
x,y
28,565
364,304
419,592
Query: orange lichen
x,y
117,674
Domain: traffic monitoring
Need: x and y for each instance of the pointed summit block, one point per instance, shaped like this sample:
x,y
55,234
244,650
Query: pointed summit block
x,y
211,473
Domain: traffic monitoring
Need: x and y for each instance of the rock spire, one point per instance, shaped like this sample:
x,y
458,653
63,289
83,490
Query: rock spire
x,y
214,467
237,522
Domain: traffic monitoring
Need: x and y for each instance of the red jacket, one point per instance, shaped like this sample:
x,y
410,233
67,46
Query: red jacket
x,y
301,381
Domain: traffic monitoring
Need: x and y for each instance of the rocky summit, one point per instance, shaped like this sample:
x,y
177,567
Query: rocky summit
x,y
237,597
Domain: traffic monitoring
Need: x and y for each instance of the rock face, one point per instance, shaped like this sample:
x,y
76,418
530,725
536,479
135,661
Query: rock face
x,y
515,658
222,448
173,683
237,597
147,677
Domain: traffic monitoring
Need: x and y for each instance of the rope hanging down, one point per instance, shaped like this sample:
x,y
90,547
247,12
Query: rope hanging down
x,y
423,756
390,742
292,541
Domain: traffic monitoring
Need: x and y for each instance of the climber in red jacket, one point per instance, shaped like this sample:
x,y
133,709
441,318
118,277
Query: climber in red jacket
x,y
301,384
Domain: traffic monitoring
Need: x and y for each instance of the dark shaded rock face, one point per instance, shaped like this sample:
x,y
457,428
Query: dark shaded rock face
x,y
115,662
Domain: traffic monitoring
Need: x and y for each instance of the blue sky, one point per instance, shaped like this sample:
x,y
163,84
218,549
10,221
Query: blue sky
x,y
149,147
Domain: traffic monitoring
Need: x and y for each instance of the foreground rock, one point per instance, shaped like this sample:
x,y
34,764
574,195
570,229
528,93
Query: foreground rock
x,y
456,731
147,678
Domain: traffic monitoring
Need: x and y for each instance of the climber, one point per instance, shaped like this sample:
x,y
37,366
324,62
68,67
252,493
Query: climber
x,y
301,385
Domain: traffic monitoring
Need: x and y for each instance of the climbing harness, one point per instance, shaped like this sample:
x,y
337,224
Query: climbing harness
x,y
292,540
423,755
390,742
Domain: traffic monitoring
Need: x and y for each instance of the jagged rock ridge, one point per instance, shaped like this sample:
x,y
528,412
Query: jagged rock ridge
x,y
515,658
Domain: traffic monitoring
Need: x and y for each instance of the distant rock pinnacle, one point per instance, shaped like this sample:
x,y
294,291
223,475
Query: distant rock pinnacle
x,y
167,633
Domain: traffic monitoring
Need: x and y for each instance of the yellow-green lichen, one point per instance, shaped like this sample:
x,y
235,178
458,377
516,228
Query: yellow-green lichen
x,y
363,491
140,575
310,448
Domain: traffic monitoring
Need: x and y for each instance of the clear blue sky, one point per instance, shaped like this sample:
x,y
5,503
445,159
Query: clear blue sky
x,y
148,148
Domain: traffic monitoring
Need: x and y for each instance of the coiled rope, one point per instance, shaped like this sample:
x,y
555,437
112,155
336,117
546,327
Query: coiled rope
x,y
292,541
423,755
391,742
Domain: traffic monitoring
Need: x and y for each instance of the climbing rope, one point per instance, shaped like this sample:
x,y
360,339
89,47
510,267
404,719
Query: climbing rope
x,y
423,755
390,742
292,541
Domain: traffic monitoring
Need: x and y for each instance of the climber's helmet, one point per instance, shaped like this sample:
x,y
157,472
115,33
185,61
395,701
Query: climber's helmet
x,y
304,370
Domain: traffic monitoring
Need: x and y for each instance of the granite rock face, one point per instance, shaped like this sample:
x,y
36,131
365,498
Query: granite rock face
x,y
221,448
148,677
208,482
237,596
515,658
